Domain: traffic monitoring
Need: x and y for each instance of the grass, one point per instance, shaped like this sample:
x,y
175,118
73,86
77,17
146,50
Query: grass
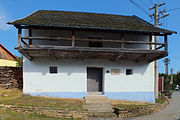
x,y
32,101
9,94
128,104
10,115
16,97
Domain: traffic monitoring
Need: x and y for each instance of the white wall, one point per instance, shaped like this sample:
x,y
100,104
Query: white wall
x,y
72,76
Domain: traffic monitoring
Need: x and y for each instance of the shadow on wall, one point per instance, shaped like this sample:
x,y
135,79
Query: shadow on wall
x,y
75,66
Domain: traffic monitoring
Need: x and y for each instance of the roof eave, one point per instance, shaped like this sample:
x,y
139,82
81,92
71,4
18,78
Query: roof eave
x,y
89,28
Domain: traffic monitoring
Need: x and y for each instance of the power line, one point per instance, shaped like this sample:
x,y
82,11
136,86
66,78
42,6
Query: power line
x,y
139,7
172,9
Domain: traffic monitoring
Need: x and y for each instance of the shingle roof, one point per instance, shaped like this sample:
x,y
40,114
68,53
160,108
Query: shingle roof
x,y
84,20
6,54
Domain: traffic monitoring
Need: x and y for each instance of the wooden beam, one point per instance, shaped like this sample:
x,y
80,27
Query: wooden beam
x,y
122,39
119,56
73,38
141,42
100,40
84,39
166,43
30,35
150,41
25,54
51,55
89,49
24,42
160,47
19,36
141,58
80,55
47,38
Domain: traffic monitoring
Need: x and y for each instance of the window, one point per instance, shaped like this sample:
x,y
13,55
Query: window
x,y
129,71
53,69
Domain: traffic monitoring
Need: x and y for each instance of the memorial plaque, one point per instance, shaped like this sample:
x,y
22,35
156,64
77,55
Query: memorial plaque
x,y
115,71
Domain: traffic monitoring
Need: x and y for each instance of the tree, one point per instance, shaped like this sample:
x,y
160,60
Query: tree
x,y
19,62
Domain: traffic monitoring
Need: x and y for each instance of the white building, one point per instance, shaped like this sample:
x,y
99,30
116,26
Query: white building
x,y
69,54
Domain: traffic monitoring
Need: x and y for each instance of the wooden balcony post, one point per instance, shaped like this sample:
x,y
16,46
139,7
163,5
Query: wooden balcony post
x,y
150,41
19,36
122,39
73,38
30,35
166,43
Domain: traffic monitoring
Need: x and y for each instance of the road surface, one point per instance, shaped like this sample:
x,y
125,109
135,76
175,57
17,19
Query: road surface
x,y
171,112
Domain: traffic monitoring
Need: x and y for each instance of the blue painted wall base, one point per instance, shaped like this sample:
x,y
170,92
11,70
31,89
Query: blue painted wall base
x,y
60,94
133,96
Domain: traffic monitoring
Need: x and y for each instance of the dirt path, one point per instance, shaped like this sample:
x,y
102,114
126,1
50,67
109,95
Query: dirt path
x,y
171,112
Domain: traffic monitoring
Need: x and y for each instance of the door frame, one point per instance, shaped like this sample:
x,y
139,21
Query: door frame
x,y
103,75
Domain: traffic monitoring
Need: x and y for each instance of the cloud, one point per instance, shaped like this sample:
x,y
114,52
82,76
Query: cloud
x,y
3,20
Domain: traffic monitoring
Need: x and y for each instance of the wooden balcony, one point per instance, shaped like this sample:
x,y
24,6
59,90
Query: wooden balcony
x,y
153,52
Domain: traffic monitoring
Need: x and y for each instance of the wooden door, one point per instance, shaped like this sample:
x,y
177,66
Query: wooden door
x,y
94,79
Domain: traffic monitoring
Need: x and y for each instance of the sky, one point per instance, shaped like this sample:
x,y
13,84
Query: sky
x,y
15,9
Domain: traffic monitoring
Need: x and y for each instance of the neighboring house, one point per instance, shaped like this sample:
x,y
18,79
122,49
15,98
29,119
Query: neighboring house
x,y
72,54
7,58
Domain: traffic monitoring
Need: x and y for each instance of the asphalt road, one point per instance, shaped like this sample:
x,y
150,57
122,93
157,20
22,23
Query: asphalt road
x,y
171,112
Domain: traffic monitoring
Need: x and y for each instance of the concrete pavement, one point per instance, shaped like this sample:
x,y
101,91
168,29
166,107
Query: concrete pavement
x,y
171,112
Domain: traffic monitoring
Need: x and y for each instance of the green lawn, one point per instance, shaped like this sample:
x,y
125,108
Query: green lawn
x,y
10,115
16,97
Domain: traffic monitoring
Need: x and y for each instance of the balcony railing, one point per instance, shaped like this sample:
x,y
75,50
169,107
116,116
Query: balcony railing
x,y
152,50
123,42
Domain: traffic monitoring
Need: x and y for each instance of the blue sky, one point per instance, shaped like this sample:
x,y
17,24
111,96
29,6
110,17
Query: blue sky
x,y
16,9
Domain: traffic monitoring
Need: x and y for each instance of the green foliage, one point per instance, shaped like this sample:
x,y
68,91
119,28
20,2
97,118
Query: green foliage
x,y
167,78
19,62
176,80
161,101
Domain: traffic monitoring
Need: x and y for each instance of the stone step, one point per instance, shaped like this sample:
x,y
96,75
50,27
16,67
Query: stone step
x,y
94,93
99,97
97,104
96,101
98,107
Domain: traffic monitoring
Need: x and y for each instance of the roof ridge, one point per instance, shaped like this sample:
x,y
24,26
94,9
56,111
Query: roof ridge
x,y
84,12
142,20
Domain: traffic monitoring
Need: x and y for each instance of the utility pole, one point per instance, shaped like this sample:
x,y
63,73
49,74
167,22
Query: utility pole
x,y
156,16
171,83
166,62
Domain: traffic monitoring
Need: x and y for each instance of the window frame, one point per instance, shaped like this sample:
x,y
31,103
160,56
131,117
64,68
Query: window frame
x,y
53,69
129,71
